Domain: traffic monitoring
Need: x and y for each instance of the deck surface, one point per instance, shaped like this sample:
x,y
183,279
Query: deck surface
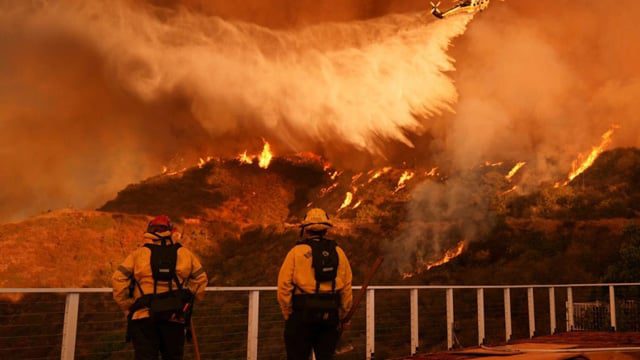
x,y
563,346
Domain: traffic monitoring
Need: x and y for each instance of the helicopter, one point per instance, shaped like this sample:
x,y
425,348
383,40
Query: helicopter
x,y
462,6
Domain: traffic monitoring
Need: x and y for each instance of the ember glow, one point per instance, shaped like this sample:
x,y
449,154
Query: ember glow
x,y
513,188
348,198
328,189
402,182
492,164
448,256
515,170
582,163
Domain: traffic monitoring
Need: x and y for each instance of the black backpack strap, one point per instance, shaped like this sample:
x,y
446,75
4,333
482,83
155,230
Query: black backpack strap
x,y
175,273
137,285
155,281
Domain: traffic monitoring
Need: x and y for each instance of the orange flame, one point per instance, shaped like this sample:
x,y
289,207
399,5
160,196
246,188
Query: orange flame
x,y
492,164
433,172
165,169
357,204
265,156
448,256
245,159
379,173
514,188
347,200
402,182
583,163
515,170
328,189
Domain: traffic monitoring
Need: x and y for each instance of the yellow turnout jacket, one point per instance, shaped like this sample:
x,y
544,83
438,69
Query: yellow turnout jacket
x,y
138,264
297,274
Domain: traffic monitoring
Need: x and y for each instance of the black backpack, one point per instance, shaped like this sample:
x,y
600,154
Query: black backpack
x,y
177,301
325,261
321,308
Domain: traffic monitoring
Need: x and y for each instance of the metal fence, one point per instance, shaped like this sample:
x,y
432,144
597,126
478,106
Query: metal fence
x,y
245,322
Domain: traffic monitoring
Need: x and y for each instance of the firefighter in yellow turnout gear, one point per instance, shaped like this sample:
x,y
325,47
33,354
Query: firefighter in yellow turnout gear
x,y
155,286
314,291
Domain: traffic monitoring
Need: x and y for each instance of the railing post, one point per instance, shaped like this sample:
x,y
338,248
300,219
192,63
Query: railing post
x,y
552,310
450,318
612,307
253,322
371,324
569,309
415,340
480,297
507,315
70,329
532,313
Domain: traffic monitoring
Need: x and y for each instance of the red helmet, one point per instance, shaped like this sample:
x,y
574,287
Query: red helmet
x,y
159,224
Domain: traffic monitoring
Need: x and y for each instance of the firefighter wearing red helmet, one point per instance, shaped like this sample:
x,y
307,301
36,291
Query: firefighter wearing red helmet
x,y
156,286
314,291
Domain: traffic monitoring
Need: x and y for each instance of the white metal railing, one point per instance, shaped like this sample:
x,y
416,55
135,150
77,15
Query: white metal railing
x,y
73,295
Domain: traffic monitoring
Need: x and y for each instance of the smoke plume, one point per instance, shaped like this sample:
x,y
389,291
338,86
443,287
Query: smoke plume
x,y
540,82
92,87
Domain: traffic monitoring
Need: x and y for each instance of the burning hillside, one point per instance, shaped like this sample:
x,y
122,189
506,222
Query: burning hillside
x,y
142,84
230,210
419,160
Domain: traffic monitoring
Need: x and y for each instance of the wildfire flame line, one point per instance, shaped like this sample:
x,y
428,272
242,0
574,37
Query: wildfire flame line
x,y
347,200
514,188
433,171
357,204
448,256
245,159
379,173
325,191
515,170
402,182
581,164
264,158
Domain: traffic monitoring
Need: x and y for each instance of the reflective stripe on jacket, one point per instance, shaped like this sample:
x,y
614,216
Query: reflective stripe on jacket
x,y
297,272
138,265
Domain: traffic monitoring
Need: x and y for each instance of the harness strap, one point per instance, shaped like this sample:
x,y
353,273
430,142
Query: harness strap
x,y
138,285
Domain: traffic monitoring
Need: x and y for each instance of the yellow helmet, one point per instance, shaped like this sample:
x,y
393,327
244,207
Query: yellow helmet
x,y
316,219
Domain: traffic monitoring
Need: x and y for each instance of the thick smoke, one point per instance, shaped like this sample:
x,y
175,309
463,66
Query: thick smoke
x,y
97,94
357,82
441,216
539,81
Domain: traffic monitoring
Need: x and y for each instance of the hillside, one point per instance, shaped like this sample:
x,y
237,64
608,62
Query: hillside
x,y
241,220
